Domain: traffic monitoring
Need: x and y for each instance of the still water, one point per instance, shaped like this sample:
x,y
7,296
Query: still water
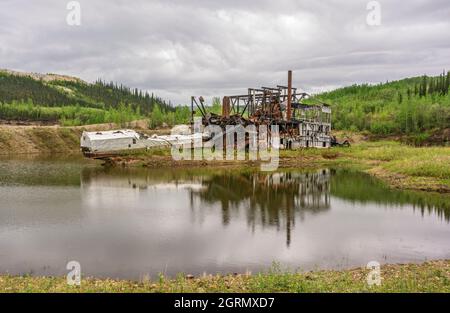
x,y
123,223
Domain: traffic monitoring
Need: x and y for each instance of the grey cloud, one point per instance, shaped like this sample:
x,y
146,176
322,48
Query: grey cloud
x,y
179,48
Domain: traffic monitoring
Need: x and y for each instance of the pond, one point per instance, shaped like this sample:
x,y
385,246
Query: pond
x,y
135,223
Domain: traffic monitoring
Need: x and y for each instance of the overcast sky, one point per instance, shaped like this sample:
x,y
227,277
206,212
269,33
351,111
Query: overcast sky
x,y
182,48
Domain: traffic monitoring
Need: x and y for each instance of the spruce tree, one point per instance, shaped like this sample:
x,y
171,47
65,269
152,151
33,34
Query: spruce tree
x,y
424,86
447,82
400,97
431,87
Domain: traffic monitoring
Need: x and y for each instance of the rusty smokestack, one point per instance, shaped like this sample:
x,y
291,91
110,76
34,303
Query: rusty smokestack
x,y
289,99
226,106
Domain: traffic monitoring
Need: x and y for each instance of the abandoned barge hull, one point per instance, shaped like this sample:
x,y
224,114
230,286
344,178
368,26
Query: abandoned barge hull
x,y
106,144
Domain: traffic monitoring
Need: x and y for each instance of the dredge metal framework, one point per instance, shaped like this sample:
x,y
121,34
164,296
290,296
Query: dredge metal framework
x,y
300,124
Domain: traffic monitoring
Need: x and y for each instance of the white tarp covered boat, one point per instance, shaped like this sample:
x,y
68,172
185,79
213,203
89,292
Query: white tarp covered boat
x,y
108,143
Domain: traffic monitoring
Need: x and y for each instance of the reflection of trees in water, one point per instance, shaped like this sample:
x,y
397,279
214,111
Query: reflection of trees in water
x,y
360,187
269,199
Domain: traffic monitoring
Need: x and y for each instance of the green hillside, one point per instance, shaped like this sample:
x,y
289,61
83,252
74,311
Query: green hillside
x,y
418,105
408,106
75,102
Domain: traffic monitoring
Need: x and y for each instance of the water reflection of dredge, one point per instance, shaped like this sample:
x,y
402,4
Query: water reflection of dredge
x,y
274,199
269,199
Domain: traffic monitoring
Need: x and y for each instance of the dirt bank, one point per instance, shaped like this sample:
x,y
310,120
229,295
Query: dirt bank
x,y
30,139
42,139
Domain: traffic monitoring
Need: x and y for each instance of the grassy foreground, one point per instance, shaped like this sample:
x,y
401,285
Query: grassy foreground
x,y
426,277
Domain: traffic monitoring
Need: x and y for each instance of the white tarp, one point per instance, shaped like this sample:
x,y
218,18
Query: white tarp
x,y
120,140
